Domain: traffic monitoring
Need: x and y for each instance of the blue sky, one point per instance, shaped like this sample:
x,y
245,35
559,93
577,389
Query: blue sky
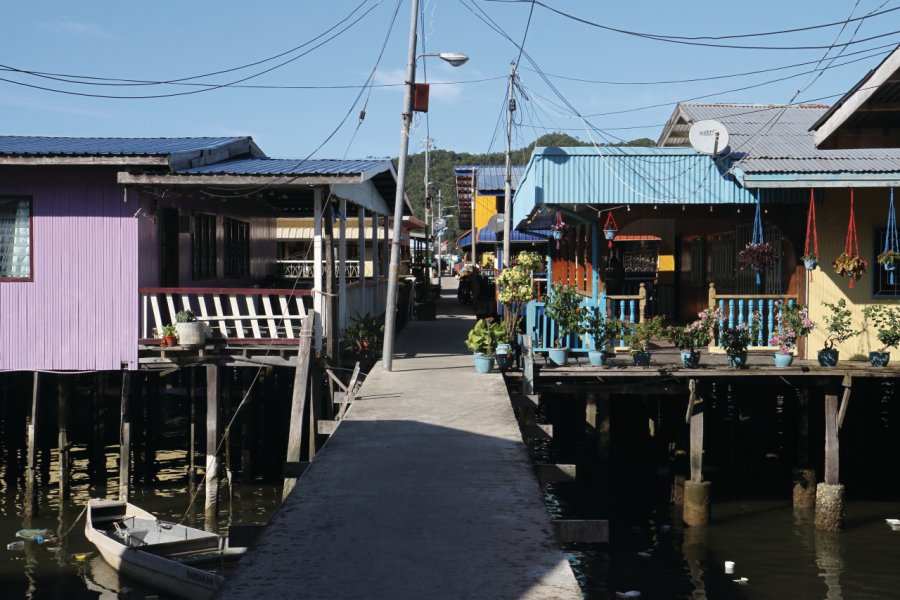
x,y
168,40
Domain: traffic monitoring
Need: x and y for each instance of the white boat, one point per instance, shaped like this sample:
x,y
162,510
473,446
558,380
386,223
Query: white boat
x,y
160,554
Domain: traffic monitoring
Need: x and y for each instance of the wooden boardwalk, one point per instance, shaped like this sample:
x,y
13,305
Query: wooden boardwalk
x,y
424,491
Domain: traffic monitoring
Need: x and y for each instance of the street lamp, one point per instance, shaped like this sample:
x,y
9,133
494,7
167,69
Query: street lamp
x,y
455,59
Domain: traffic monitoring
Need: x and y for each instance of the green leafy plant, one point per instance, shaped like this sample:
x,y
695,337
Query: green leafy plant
x,y
564,307
515,290
757,256
853,267
811,256
697,333
639,335
886,320
735,340
838,323
530,261
485,335
185,316
888,258
792,322
603,330
167,331
365,335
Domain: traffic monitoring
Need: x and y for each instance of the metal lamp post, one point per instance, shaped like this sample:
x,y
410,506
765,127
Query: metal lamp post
x,y
455,59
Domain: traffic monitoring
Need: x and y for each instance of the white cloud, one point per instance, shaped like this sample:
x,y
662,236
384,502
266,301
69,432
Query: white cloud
x,y
76,28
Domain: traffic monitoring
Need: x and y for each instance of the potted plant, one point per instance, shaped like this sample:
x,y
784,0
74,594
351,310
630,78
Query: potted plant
x,y
482,341
853,266
839,328
191,332
167,335
886,320
515,291
564,308
889,259
810,261
735,341
602,331
365,337
639,335
693,335
792,323
757,256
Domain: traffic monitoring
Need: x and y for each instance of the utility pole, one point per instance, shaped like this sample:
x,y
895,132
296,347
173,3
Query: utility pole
x,y
474,202
428,253
507,191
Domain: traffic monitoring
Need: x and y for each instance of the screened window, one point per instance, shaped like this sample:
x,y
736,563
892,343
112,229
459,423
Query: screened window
x,y
203,246
237,248
15,238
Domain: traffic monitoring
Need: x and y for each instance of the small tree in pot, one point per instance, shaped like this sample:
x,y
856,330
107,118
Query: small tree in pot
x,y
482,341
735,341
693,335
886,320
564,308
603,331
840,329
639,336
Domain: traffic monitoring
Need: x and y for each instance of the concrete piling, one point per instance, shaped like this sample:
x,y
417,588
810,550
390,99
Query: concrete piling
x,y
829,507
696,503
804,489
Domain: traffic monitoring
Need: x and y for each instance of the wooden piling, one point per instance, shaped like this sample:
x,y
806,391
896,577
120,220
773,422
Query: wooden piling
x,y
832,442
192,431
527,365
331,299
696,491
315,402
62,388
298,401
830,494
124,439
247,430
31,466
212,436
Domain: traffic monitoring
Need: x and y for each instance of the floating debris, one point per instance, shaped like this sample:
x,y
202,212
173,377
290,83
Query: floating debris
x,y
729,566
16,545
628,594
81,555
742,581
644,554
35,535
892,522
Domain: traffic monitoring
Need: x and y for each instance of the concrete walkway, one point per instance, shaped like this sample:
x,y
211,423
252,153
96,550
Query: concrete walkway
x,y
424,491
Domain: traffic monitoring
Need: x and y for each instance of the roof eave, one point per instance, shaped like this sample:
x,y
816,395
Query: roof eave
x,y
92,160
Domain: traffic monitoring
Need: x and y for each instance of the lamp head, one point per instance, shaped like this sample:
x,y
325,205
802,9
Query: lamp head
x,y
455,59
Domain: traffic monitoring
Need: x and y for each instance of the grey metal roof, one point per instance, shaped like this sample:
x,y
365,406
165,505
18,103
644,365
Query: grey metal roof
x,y
12,145
286,166
768,138
493,177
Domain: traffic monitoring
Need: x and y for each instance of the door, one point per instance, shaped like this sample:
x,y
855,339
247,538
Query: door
x,y
168,247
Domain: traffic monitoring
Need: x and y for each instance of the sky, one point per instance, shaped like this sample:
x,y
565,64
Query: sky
x,y
178,40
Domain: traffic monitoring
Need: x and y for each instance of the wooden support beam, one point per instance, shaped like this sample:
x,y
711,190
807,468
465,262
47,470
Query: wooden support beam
x,y
124,438
832,443
211,504
803,427
845,400
590,410
192,432
31,473
553,473
695,418
298,400
62,387
528,371
326,427
574,531
315,402
331,297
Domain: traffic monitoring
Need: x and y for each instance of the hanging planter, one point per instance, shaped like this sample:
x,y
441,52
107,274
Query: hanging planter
x,y
558,228
758,254
610,228
810,257
889,258
850,264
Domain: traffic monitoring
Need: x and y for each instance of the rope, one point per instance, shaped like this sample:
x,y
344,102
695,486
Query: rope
x,y
811,225
609,225
890,240
851,245
74,523
757,222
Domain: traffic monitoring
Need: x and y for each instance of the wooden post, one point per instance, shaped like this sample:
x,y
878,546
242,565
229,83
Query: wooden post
x,y
642,303
376,266
192,432
124,439
318,305
832,442
696,491
298,402
361,240
342,266
331,299
527,364
315,401
212,437
62,388
30,476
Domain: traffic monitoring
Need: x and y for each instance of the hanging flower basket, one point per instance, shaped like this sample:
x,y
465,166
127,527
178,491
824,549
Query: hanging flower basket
x,y
810,256
853,267
610,228
558,228
610,234
810,261
757,256
889,259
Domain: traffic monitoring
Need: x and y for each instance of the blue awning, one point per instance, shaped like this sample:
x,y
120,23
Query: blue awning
x,y
489,237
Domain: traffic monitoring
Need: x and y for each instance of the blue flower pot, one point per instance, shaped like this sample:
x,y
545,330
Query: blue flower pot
x,y
879,359
889,266
690,359
828,357
598,358
810,263
484,364
641,359
738,361
610,234
783,360
558,356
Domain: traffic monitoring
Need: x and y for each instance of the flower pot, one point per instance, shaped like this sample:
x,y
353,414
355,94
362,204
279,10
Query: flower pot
x,y
738,361
690,358
169,340
558,356
555,235
192,334
504,356
889,266
610,234
641,359
828,357
598,358
783,360
810,263
879,359
483,363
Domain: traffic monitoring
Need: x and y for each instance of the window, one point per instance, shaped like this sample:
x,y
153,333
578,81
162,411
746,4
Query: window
x,y
237,248
203,246
884,286
15,238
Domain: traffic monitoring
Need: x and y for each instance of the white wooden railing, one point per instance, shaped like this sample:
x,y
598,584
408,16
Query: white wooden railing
x,y
233,314
304,269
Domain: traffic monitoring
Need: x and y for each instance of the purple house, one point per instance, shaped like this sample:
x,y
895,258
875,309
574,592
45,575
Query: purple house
x,y
102,240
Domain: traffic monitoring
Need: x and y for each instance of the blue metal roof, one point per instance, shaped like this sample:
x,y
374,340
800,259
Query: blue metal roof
x,y
623,175
285,166
492,178
12,145
487,236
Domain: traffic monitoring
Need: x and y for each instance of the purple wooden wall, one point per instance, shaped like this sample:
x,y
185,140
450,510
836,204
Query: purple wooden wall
x,y
80,312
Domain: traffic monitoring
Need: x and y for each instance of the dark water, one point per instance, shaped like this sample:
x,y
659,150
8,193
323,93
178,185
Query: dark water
x,y
71,568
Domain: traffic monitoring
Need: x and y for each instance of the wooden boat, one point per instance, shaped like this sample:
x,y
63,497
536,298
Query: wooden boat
x,y
162,555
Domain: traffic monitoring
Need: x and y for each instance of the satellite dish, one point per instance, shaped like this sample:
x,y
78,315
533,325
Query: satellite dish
x,y
708,137
440,223
495,223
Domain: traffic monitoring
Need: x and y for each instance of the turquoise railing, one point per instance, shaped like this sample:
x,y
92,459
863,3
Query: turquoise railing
x,y
748,309
544,331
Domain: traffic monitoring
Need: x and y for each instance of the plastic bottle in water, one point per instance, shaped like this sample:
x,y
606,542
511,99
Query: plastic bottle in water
x,y
16,545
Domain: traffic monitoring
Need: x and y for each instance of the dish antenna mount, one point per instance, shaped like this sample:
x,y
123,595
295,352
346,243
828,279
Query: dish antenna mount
x,y
708,137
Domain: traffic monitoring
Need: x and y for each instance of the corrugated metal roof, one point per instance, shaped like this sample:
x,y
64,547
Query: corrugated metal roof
x,y
492,178
623,175
285,166
12,145
758,146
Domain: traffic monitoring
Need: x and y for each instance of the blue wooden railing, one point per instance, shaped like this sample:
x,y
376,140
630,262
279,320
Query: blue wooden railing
x,y
748,309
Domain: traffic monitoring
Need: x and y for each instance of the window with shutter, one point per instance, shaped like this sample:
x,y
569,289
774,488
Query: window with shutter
x,y
15,238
